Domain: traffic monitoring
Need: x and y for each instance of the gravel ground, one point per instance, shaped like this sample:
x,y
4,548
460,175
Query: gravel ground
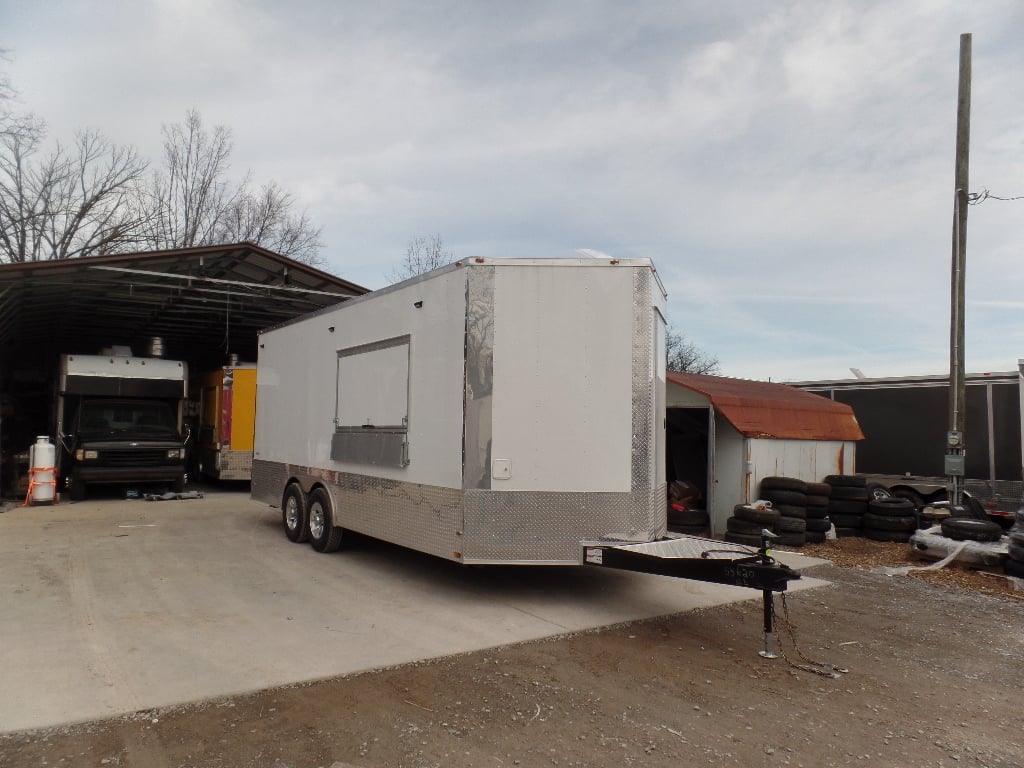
x,y
935,664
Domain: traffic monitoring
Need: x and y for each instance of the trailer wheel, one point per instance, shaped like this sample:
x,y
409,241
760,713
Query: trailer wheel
x,y
323,534
76,486
293,514
878,491
910,495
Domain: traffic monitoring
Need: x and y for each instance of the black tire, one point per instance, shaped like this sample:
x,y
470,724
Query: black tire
x,y
746,527
783,484
763,516
819,489
791,540
789,510
293,514
846,507
816,513
846,521
324,535
794,498
816,501
846,481
690,530
891,507
1016,536
847,533
742,538
687,517
818,524
178,486
791,525
815,537
1015,551
912,496
76,486
889,523
1013,568
846,492
969,529
876,535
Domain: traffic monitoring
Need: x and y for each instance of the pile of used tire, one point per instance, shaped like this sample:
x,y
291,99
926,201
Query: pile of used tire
x,y
818,522
848,503
1014,565
889,519
747,522
789,497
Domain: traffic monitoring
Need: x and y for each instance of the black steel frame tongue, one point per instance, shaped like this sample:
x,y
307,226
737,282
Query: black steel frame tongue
x,y
690,557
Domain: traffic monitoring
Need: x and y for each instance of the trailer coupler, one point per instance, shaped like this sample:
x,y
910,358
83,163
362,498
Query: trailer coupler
x,y
690,557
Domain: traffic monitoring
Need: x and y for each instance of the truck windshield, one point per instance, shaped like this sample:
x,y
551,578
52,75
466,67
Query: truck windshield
x,y
126,417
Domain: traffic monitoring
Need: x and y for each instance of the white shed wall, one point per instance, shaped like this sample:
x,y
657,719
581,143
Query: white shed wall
x,y
809,460
728,471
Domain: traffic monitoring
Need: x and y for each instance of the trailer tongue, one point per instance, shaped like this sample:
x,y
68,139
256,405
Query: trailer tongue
x,y
689,557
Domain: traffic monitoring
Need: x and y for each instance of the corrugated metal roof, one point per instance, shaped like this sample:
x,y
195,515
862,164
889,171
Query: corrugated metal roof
x,y
767,410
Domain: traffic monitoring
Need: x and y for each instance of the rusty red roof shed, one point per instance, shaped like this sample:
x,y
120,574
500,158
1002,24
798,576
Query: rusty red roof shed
x,y
762,409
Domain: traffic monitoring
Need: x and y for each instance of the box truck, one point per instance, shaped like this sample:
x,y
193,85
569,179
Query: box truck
x,y
489,412
119,421
223,404
905,422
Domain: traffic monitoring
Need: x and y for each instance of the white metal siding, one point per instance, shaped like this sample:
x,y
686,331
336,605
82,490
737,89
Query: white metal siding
x,y
298,371
809,460
562,412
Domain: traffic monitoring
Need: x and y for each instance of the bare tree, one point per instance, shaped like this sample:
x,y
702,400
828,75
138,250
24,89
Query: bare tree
x,y
266,218
71,202
686,357
193,202
422,254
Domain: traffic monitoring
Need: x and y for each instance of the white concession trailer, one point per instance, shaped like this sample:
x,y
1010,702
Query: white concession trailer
x,y
491,411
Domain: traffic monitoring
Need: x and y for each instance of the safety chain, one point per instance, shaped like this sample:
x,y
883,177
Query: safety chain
x,y
815,667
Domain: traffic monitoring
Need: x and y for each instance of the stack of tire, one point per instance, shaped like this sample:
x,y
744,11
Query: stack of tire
x,y
789,497
746,524
890,519
818,521
847,504
1014,564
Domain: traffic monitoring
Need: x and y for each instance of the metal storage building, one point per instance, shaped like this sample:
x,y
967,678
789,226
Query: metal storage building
x,y
725,434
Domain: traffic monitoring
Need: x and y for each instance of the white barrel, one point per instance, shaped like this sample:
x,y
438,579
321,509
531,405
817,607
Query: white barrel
x,y
41,458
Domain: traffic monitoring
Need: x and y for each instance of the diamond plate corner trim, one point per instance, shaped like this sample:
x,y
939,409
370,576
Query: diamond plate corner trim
x,y
477,424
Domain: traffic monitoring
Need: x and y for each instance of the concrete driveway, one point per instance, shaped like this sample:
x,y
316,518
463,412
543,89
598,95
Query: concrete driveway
x,y
112,606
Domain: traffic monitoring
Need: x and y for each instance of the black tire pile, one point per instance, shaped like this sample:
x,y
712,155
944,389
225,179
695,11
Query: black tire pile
x,y
890,519
789,497
819,496
746,524
848,503
1014,564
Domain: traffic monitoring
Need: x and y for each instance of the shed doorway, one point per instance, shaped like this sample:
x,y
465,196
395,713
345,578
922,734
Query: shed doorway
x,y
686,447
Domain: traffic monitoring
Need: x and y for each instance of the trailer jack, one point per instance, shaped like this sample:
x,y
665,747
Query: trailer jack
x,y
690,557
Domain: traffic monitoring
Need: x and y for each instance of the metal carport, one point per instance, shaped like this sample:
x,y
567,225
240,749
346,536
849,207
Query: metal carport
x,y
203,304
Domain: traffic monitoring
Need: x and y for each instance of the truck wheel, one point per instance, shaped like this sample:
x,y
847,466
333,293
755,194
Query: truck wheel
x,y
293,514
76,488
324,536
179,483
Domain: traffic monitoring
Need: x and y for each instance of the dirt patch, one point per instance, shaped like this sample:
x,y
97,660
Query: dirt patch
x,y
934,680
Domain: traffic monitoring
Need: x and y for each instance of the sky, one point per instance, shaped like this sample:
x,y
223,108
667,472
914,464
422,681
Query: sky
x,y
788,166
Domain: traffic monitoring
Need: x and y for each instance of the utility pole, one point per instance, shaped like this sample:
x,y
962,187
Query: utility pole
x,y
955,446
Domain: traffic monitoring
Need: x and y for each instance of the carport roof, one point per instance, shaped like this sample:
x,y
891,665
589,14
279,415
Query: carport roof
x,y
766,410
203,303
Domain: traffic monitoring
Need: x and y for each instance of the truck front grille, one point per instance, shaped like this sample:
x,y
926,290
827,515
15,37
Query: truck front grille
x,y
135,457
